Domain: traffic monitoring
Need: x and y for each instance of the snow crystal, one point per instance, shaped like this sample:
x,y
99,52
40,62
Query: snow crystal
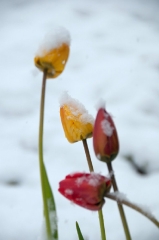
x,y
69,191
107,128
54,39
76,108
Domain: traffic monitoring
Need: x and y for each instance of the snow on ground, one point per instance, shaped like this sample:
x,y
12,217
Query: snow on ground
x,y
114,56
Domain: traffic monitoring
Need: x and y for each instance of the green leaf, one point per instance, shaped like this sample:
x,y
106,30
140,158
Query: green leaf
x,y
49,205
80,236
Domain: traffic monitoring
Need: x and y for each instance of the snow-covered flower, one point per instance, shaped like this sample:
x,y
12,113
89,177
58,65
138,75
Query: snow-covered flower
x,y
86,190
76,121
53,53
105,138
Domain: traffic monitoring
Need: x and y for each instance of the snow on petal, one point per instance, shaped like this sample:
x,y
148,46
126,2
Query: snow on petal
x,y
107,128
76,108
54,39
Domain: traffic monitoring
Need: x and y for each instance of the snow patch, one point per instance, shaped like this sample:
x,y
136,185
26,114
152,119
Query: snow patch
x,y
68,191
122,197
80,180
107,128
93,179
119,196
42,235
52,216
146,209
98,156
110,174
54,39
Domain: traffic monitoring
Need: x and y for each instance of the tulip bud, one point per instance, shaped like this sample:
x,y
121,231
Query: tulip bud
x,y
53,53
105,139
85,190
76,121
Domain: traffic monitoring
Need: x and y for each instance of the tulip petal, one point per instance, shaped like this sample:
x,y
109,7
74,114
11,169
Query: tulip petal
x,y
54,61
76,121
105,138
85,190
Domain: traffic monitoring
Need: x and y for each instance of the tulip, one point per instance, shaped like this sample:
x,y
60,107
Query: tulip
x,y
53,54
76,122
85,190
105,138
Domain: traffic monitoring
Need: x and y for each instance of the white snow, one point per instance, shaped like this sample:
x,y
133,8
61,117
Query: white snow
x,y
42,234
107,128
119,196
114,55
94,179
122,197
80,180
110,174
52,217
69,191
53,39
98,156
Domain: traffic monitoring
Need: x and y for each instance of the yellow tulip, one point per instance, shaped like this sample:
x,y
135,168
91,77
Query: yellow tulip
x,y
77,123
54,60
53,52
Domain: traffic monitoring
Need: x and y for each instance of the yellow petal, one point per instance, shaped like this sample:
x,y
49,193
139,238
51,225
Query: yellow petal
x,y
74,127
54,60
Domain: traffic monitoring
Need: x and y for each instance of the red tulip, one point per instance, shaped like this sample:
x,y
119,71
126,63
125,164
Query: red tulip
x,y
105,138
85,190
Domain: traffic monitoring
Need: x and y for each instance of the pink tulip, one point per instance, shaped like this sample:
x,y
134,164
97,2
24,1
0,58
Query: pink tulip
x,y
105,138
86,190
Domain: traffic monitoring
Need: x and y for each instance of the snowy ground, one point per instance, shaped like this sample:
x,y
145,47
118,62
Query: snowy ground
x,y
114,56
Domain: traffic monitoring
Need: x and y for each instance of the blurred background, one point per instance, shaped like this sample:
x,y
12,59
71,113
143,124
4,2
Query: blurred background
x,y
114,55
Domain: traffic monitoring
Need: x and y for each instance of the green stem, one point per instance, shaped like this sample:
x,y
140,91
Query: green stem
x,y
88,157
120,207
133,206
41,162
102,227
91,169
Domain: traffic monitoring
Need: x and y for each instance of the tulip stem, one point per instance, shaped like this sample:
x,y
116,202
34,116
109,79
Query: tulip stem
x,y
91,169
89,161
41,162
133,206
102,227
120,207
